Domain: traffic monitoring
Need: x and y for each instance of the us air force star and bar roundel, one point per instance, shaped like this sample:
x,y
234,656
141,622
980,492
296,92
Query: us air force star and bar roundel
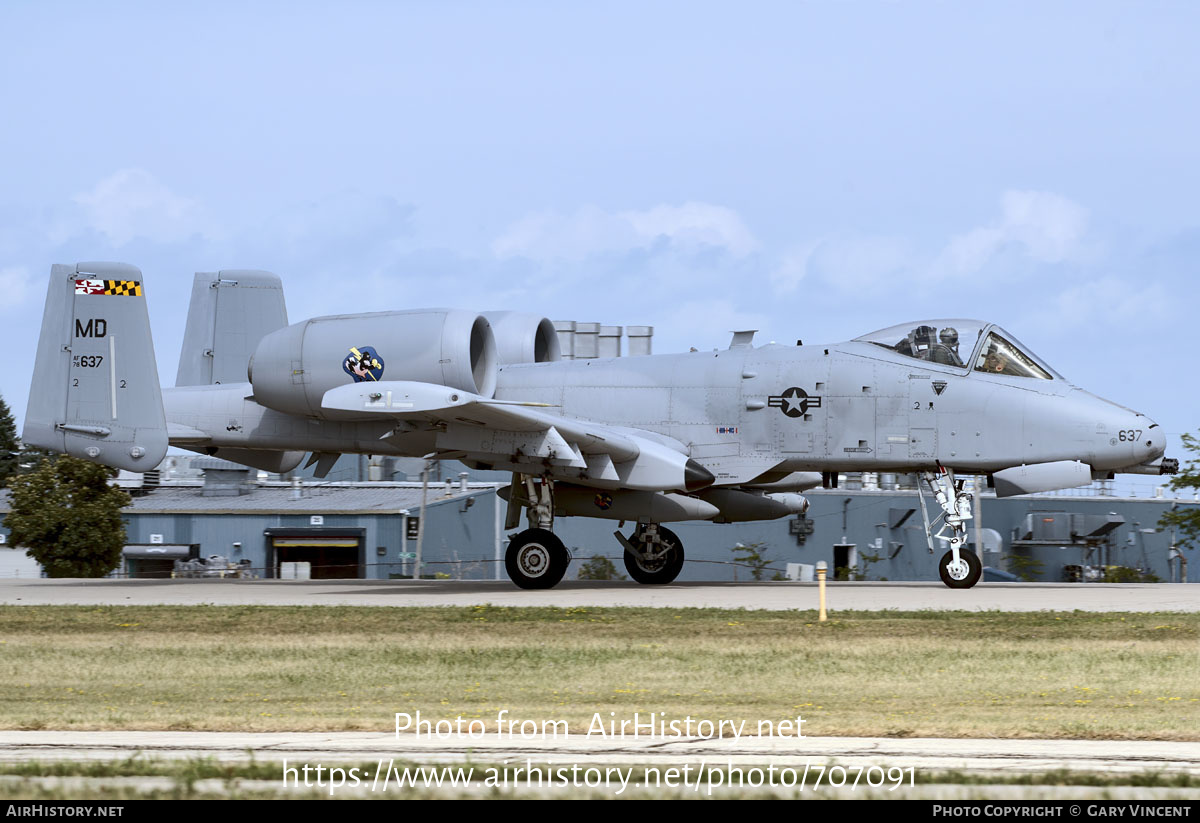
x,y
121,288
794,402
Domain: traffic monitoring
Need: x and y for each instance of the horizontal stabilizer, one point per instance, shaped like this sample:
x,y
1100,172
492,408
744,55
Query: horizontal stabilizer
x,y
186,436
275,462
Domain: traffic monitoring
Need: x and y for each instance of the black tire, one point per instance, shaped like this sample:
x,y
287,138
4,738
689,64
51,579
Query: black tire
x,y
536,559
974,569
665,570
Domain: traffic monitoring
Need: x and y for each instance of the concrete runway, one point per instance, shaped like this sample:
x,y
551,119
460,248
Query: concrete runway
x,y
924,754
1012,597
870,768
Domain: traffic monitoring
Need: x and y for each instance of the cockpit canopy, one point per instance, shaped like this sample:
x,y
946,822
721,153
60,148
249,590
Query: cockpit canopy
x,y
985,347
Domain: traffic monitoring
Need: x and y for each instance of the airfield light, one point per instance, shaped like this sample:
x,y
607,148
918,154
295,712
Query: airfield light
x,y
821,569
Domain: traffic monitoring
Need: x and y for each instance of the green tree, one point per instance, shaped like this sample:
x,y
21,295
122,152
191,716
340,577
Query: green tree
x,y
868,560
68,517
9,445
753,556
1027,568
1185,520
599,568
31,458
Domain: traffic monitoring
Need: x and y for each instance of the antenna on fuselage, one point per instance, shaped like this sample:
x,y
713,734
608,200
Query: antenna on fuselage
x,y
742,339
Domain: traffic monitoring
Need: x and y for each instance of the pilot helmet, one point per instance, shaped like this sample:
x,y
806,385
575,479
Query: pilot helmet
x,y
949,337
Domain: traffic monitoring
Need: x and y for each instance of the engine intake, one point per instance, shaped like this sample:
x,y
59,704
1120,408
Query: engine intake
x,y
524,338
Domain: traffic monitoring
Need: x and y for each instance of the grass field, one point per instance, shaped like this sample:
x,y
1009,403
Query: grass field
x,y
1073,675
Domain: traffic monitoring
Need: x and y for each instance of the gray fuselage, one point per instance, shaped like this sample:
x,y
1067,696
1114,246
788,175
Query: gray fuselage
x,y
748,412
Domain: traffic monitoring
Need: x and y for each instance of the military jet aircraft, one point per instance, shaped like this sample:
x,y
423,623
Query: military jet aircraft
x,y
728,435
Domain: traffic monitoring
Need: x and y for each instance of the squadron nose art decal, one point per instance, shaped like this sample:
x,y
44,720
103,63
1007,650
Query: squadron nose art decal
x,y
363,364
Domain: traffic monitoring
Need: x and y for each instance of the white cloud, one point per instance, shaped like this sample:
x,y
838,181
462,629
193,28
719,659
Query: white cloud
x,y
701,322
792,268
348,217
690,227
693,226
132,203
854,264
1050,227
1046,227
1108,302
16,285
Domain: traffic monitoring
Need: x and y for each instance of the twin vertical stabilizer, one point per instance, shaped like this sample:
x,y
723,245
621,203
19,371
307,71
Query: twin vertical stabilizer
x,y
95,391
230,312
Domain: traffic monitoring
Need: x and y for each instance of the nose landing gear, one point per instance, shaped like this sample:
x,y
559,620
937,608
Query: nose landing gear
x,y
959,568
962,572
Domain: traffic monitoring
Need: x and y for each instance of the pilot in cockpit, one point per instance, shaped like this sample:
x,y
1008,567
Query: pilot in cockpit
x,y
947,349
949,339
995,361
925,342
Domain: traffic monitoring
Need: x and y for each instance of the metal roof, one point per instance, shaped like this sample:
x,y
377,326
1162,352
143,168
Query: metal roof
x,y
365,498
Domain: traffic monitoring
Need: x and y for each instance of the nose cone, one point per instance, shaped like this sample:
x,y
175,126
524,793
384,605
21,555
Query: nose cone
x,y
1129,439
1156,440
1082,426
696,477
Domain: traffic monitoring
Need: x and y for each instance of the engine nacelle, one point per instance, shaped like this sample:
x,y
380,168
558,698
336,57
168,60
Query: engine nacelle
x,y
293,368
523,338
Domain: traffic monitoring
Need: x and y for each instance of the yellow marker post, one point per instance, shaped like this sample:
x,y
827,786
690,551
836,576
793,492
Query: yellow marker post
x,y
821,567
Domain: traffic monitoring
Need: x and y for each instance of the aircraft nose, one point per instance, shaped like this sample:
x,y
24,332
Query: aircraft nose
x,y
1155,441
1134,439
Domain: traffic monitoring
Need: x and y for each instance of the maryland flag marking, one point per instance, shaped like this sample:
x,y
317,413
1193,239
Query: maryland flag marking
x,y
125,288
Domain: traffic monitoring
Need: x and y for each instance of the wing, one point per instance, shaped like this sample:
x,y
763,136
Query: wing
x,y
526,437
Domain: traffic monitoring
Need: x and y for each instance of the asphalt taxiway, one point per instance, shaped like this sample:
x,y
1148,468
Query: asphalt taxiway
x,y
872,596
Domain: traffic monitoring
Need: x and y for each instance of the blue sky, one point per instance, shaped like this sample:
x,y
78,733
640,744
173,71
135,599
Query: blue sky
x,y
816,170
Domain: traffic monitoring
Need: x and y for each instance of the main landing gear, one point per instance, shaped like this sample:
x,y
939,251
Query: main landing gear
x,y
653,553
959,568
537,559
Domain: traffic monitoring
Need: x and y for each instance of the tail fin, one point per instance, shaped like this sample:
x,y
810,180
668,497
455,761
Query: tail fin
x,y
230,312
95,391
